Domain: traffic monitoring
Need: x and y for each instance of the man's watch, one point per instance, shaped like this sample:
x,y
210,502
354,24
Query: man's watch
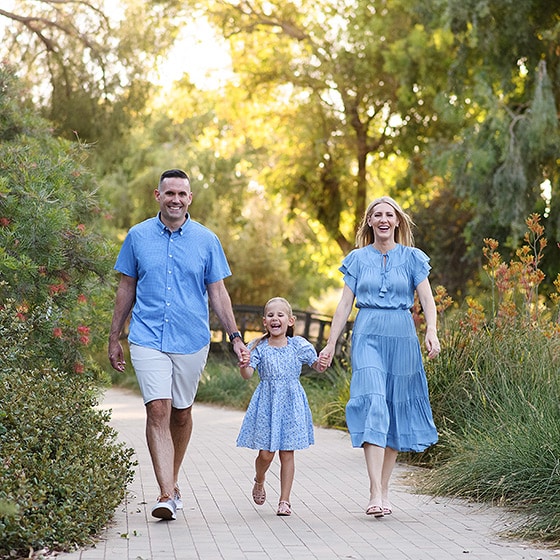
x,y
234,335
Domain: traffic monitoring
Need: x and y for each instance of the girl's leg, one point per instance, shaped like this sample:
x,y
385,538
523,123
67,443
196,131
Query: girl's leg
x,y
287,472
262,463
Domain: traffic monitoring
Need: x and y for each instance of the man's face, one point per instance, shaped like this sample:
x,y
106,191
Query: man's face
x,y
174,197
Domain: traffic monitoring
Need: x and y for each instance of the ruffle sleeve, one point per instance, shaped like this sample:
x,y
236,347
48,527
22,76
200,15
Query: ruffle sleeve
x,y
419,265
305,351
351,269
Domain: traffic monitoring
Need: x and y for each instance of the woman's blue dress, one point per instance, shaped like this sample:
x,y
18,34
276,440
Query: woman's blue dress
x,y
389,404
278,416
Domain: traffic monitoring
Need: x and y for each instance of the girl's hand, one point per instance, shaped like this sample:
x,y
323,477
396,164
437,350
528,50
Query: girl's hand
x,y
244,358
323,362
326,355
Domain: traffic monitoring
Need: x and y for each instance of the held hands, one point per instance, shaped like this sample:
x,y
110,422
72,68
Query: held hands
x,y
244,358
326,356
321,364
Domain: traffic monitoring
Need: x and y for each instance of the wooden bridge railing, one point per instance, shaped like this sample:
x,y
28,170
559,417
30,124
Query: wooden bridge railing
x,y
312,326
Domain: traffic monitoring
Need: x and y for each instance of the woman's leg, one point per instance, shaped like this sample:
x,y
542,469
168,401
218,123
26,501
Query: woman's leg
x,y
389,461
287,472
374,456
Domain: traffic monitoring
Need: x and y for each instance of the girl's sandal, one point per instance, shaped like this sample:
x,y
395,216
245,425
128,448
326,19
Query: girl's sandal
x,y
284,508
259,493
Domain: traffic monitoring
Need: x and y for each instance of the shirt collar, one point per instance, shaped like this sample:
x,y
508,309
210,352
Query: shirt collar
x,y
164,229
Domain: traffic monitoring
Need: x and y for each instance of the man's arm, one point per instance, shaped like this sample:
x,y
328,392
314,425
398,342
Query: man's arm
x,y
126,296
221,304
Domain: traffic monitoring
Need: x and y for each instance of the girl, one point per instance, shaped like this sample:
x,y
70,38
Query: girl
x,y
278,417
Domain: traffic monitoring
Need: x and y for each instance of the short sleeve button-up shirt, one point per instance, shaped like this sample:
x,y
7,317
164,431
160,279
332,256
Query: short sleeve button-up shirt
x,y
172,270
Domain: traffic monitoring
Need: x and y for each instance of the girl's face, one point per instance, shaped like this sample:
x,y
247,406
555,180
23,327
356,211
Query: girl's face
x,y
383,220
277,319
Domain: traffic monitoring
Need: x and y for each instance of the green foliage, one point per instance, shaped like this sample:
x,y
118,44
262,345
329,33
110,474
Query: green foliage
x,y
222,384
62,471
495,391
51,245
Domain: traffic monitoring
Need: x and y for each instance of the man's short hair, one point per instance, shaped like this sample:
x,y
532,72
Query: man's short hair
x,y
173,173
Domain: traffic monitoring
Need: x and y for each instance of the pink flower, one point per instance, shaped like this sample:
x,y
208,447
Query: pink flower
x,y
57,332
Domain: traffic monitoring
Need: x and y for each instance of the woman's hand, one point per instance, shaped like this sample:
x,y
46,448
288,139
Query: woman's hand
x,y
432,342
326,355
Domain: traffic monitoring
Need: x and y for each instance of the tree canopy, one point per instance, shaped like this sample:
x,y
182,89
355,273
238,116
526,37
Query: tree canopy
x,y
449,106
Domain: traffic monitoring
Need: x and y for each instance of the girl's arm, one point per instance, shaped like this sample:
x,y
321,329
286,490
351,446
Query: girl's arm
x,y
246,371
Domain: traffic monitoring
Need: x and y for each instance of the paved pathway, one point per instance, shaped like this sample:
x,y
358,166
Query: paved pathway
x,y
221,522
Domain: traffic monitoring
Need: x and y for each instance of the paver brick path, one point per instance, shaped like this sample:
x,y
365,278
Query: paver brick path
x,y
221,522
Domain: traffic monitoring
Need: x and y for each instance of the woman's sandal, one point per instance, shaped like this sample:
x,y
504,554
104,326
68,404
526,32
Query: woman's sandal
x,y
284,508
376,511
259,493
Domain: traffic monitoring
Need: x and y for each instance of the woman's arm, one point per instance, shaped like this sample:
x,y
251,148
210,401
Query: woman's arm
x,y
426,298
338,324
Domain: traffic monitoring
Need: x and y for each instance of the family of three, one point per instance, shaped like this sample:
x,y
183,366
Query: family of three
x,y
172,268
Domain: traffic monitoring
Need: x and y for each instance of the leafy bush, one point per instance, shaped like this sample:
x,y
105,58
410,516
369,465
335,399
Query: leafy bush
x,y
62,472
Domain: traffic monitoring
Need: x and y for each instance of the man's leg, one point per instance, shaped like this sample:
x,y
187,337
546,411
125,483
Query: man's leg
x,y
181,429
160,443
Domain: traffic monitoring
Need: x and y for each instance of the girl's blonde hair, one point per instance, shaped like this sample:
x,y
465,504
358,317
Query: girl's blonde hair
x,y
290,331
403,233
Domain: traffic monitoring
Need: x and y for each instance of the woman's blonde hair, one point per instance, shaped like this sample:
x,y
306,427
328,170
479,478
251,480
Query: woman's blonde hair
x,y
403,233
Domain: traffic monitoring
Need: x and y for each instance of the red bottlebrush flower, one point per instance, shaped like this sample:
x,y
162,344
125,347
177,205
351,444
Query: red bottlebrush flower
x,y
5,222
79,368
82,298
57,289
84,339
81,228
82,329
57,332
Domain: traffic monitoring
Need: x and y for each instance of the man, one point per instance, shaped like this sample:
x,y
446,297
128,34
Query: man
x,y
170,266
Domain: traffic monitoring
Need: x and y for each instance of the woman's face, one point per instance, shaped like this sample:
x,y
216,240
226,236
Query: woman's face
x,y
383,220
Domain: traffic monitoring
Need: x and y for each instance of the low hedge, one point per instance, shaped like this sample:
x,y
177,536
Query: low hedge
x,y
62,471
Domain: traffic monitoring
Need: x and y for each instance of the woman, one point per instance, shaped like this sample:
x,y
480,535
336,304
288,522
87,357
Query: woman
x,y
389,409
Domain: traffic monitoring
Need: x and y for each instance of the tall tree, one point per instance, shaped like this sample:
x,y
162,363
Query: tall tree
x,y
88,63
334,115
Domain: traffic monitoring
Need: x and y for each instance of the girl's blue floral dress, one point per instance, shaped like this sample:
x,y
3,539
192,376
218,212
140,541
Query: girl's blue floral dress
x,y
278,416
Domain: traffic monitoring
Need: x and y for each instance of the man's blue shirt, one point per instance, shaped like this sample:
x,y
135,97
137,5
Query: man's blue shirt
x,y
172,270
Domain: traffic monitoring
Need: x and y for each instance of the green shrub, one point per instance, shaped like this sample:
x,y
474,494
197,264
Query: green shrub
x,y
62,472
495,393
221,383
